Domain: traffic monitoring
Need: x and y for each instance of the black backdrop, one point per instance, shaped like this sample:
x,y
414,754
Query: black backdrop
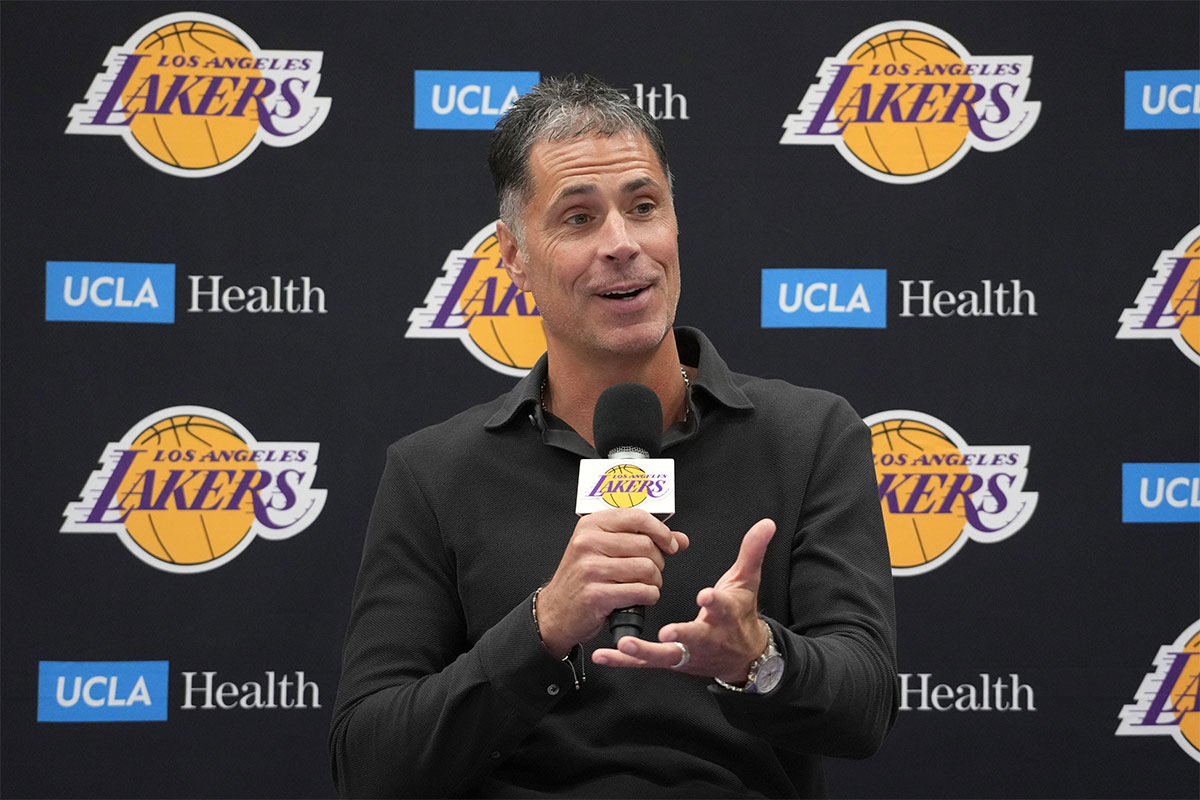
x,y
1075,604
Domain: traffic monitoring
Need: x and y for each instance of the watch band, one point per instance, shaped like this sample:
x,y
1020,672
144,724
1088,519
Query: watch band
x,y
765,671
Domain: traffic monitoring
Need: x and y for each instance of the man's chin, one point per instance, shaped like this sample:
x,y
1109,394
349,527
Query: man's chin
x,y
634,340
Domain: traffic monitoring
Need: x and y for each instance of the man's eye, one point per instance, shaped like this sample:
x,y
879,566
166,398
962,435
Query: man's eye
x,y
578,219
643,208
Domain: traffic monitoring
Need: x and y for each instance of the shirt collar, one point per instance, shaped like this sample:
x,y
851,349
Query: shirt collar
x,y
713,383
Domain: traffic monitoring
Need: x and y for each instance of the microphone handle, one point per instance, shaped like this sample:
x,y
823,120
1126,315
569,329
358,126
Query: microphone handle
x,y
626,622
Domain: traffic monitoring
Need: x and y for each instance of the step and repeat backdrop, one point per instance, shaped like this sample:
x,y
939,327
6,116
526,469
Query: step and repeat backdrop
x,y
245,246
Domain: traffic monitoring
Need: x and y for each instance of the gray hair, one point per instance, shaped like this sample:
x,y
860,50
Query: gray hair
x,y
560,109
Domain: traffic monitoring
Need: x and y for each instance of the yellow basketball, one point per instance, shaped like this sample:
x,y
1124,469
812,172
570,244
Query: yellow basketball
x,y
895,147
191,141
513,339
184,535
1183,695
624,499
918,538
1186,298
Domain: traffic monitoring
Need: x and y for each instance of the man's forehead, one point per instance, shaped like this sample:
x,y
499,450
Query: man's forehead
x,y
572,166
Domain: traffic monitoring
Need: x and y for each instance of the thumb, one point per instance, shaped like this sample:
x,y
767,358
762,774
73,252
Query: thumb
x,y
747,570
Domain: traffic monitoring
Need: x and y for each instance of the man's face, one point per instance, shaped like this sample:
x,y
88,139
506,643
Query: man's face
x,y
600,255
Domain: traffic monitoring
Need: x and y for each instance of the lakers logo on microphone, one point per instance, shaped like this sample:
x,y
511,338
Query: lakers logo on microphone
x,y
475,302
937,491
188,488
628,485
904,102
192,95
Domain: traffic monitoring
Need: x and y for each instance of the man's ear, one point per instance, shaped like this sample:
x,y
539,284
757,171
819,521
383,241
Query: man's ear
x,y
510,254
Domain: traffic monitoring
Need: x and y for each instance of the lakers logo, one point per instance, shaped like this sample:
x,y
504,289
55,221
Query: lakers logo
x,y
904,102
626,486
1168,701
937,491
188,488
1168,306
193,95
475,302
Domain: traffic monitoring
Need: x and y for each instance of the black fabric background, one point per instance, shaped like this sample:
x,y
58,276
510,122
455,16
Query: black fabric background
x,y
1076,603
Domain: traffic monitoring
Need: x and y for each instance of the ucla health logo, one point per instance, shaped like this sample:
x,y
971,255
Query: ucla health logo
x,y
937,491
1162,99
465,99
193,95
904,102
1168,306
824,298
188,488
475,302
1160,492
102,691
108,291
1168,701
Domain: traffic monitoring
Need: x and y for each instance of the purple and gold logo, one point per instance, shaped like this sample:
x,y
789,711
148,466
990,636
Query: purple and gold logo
x,y
192,95
903,102
1168,701
937,491
188,488
475,302
1168,306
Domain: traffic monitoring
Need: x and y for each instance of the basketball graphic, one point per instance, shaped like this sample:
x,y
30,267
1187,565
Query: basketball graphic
x,y
916,539
193,95
498,327
1168,305
902,147
1185,299
903,102
188,488
1185,694
195,141
937,492
475,301
192,524
619,498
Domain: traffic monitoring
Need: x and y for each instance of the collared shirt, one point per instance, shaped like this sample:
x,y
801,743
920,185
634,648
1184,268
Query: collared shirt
x,y
447,691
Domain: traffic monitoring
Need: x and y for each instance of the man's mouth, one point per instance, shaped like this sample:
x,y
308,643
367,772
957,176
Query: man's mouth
x,y
623,294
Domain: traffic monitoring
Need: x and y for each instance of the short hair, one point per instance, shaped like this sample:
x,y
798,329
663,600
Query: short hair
x,y
560,109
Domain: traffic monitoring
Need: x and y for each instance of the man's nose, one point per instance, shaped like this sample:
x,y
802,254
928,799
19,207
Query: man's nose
x,y
618,243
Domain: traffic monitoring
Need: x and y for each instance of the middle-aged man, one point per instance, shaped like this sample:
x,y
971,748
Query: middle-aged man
x,y
478,662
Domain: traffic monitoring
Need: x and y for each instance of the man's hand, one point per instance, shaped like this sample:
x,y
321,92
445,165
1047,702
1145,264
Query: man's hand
x,y
615,559
726,635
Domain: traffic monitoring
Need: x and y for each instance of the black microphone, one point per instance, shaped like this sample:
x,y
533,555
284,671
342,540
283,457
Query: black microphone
x,y
627,423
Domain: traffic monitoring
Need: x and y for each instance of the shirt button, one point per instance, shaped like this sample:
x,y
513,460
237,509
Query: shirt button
x,y
552,689
495,754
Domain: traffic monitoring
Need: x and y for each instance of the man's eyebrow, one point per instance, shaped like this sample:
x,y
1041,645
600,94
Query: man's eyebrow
x,y
639,183
577,189
574,190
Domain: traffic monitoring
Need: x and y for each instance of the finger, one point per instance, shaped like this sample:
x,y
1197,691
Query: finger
x,y
634,652
747,570
623,545
634,520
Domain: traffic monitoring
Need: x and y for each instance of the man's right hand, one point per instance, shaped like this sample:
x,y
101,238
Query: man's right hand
x,y
615,559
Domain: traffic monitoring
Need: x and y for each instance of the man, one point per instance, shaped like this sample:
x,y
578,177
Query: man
x,y
477,660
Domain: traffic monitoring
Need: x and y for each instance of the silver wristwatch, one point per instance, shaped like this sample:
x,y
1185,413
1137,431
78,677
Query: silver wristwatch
x,y
765,672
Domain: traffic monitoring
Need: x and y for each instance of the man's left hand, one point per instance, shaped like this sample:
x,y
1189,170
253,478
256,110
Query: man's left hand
x,y
726,636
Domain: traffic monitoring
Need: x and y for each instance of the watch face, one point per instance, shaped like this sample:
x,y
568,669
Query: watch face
x,y
769,675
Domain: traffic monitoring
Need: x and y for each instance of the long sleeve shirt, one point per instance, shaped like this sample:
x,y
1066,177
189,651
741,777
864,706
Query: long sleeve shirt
x,y
447,691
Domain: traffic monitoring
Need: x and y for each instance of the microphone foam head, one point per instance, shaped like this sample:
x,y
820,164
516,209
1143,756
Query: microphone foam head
x,y
628,415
